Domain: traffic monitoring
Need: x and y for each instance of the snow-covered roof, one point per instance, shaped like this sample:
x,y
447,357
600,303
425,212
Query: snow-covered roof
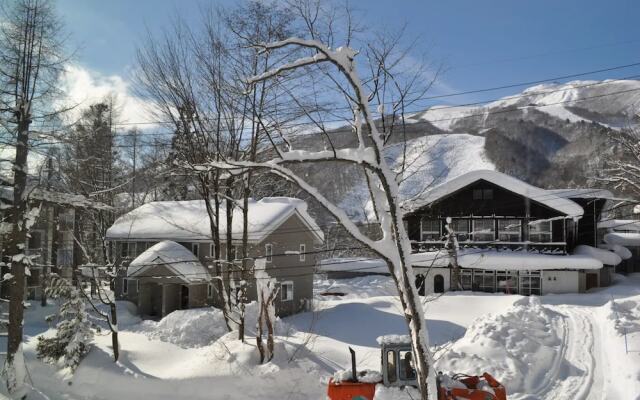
x,y
621,251
188,220
393,339
620,224
623,238
542,196
177,258
364,265
513,260
584,193
605,256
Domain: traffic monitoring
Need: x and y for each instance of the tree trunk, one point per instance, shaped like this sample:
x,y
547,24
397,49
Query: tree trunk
x,y
54,254
16,249
452,249
114,332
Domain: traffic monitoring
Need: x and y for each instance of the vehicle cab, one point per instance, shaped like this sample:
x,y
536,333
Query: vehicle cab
x,y
398,368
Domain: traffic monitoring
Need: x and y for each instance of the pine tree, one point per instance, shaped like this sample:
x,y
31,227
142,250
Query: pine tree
x,y
73,337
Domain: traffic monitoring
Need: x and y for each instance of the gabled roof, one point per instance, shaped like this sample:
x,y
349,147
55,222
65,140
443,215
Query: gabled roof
x,y
178,259
542,196
188,220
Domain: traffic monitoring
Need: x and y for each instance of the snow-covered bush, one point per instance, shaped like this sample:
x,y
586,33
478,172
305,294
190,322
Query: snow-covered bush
x,y
72,340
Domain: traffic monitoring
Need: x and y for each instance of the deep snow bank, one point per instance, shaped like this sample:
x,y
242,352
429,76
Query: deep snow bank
x,y
518,347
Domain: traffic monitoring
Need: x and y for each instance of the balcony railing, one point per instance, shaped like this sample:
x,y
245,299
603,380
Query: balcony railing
x,y
539,247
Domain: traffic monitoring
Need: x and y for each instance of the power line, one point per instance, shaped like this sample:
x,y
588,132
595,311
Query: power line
x,y
432,97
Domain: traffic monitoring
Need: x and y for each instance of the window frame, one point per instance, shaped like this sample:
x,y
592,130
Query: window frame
x,y
303,252
289,292
195,249
502,231
459,233
268,252
541,233
476,234
424,233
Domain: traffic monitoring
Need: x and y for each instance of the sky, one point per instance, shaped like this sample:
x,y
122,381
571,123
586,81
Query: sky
x,y
481,44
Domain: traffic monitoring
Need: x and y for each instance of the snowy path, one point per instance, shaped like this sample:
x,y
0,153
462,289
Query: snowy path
x,y
574,375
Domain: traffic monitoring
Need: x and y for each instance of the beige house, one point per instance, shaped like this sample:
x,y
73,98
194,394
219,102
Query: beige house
x,y
164,253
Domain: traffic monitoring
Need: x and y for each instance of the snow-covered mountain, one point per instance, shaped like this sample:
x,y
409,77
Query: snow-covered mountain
x,y
551,135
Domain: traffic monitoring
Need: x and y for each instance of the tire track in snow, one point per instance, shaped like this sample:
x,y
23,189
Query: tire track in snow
x,y
574,378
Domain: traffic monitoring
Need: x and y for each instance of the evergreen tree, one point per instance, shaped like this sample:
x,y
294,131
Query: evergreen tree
x,y
73,337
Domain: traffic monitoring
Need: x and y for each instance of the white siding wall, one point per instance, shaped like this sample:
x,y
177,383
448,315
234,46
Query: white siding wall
x,y
561,282
428,284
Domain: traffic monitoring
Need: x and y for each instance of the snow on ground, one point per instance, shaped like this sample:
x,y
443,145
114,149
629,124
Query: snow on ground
x,y
556,347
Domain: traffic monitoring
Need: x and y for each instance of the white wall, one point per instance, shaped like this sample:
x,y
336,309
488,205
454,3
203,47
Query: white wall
x,y
561,282
432,272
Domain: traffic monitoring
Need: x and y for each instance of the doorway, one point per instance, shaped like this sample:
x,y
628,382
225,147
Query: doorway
x,y
438,284
184,297
420,284
592,281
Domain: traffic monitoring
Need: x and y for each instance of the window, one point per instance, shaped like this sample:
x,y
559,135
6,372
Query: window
x,y
303,251
530,283
268,252
391,366
125,286
507,282
124,249
509,230
132,250
195,249
212,250
209,291
540,231
461,229
286,291
407,372
483,230
35,240
483,194
430,230
484,280
141,247
465,279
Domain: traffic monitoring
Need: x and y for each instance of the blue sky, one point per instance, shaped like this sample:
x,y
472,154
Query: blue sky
x,y
481,43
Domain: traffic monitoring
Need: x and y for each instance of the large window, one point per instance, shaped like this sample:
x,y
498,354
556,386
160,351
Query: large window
x,y
507,282
466,279
124,249
484,280
530,282
483,230
509,230
195,249
430,230
461,229
286,291
540,231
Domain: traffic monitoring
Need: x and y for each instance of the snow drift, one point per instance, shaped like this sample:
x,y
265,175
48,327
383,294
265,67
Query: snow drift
x,y
518,347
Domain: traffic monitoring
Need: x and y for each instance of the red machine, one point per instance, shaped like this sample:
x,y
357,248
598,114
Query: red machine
x,y
397,370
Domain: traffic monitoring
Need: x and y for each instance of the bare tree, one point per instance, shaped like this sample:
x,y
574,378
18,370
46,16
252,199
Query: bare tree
x,y
621,169
31,58
394,246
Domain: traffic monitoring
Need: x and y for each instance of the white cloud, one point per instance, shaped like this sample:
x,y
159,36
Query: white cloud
x,y
84,87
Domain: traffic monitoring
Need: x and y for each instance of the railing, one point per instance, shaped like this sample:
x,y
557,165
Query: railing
x,y
539,247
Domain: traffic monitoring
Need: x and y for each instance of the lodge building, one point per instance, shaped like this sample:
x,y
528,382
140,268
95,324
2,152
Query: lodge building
x,y
513,237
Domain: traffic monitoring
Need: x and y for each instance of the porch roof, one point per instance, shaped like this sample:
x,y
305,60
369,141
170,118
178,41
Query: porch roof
x,y
175,257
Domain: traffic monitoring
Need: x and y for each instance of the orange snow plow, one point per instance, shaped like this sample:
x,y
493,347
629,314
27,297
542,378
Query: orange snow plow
x,y
397,370
460,386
